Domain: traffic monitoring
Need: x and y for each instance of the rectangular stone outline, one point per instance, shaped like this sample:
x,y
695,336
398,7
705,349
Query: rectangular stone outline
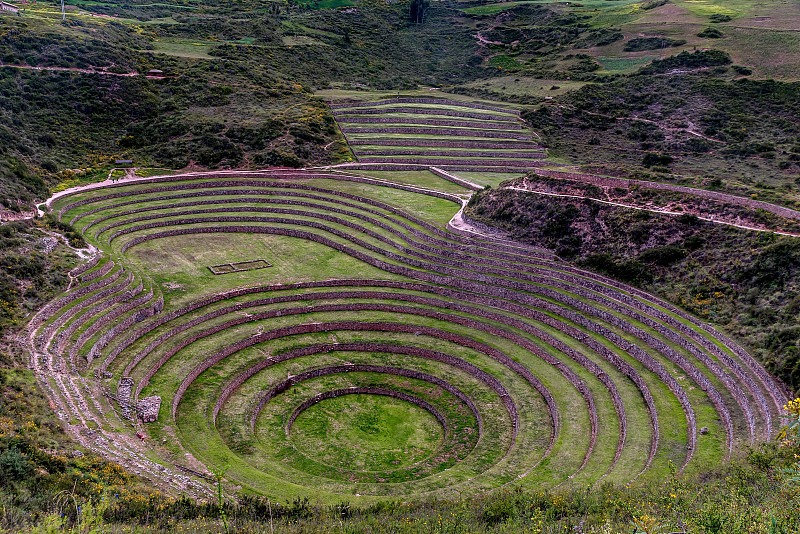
x,y
217,269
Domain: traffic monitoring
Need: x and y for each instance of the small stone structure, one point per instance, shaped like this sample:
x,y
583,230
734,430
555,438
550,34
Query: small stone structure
x,y
124,389
148,408
239,266
5,6
48,244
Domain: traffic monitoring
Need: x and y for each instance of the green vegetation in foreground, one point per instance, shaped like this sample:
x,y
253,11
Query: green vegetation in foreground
x,y
751,494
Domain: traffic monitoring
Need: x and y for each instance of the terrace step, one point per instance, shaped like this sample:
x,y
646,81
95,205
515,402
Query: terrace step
x,y
452,153
449,132
453,123
410,110
434,101
488,162
446,143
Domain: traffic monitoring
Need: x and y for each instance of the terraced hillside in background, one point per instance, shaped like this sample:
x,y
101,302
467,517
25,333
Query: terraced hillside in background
x,y
405,133
383,353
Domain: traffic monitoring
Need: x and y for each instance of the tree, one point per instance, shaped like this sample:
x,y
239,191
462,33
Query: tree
x,y
418,9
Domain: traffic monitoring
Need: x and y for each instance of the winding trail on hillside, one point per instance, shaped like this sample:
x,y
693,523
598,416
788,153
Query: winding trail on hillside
x,y
71,69
651,210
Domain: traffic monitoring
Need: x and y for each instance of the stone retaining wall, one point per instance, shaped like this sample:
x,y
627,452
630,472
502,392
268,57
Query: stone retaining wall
x,y
97,273
484,125
419,111
516,249
450,293
455,132
287,383
452,153
447,143
455,179
418,352
120,327
101,304
80,269
107,318
49,333
634,350
440,101
72,295
299,329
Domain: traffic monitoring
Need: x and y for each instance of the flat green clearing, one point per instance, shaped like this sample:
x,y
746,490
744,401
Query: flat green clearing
x,y
474,131
438,137
179,265
366,432
431,115
504,62
525,86
425,179
454,151
341,95
598,8
326,4
491,179
301,40
761,35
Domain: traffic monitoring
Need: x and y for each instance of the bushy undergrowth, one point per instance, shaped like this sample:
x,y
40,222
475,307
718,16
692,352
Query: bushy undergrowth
x,y
32,269
752,494
740,135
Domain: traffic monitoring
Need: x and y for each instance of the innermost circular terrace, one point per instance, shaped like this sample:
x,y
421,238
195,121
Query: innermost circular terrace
x,y
366,429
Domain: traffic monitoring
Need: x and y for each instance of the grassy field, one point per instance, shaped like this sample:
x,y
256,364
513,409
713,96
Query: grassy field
x,y
367,432
179,265
756,36
516,86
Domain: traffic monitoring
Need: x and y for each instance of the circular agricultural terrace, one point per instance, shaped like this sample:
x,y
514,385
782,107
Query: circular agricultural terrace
x,y
325,335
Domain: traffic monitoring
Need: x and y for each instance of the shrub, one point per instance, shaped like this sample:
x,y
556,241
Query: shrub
x,y
688,60
693,242
710,33
718,17
651,160
632,271
652,43
500,510
775,264
14,464
688,219
664,256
